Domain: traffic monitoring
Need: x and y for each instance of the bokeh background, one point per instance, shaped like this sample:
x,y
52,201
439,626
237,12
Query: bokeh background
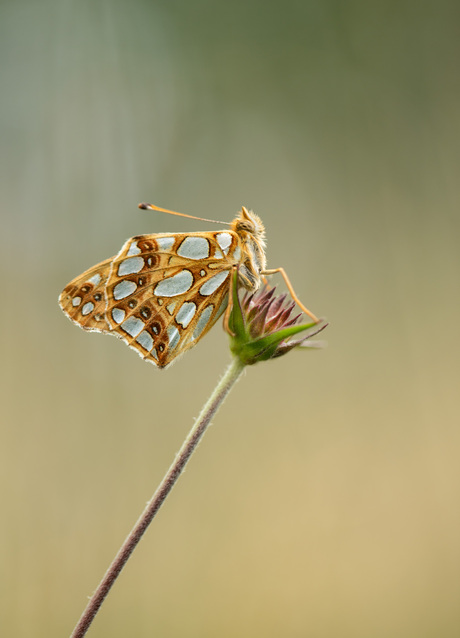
x,y
324,501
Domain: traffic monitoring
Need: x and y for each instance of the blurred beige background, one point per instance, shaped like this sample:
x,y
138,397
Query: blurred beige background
x,y
324,501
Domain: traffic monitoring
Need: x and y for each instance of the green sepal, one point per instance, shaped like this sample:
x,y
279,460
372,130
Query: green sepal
x,y
250,351
236,322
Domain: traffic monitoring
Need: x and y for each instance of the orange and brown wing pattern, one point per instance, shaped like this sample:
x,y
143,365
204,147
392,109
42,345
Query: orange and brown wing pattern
x,y
84,299
161,293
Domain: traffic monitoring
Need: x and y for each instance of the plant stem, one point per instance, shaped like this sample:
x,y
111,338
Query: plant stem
x,y
203,420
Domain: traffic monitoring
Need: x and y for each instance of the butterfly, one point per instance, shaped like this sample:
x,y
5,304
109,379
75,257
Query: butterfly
x,y
163,292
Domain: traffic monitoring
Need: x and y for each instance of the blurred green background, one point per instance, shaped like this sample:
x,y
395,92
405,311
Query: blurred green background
x,y
324,501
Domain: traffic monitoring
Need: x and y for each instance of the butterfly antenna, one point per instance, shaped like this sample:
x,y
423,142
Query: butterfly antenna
x,y
145,206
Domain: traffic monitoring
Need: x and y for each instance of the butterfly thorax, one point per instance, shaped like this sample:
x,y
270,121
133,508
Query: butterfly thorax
x,y
251,232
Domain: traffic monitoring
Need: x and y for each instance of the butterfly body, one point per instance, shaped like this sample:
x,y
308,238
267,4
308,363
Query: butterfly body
x,y
163,292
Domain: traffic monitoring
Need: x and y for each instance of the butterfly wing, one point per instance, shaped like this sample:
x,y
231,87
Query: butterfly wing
x,y
161,293
84,299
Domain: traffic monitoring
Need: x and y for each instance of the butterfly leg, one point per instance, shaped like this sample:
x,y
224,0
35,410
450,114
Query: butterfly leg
x,y
229,308
282,272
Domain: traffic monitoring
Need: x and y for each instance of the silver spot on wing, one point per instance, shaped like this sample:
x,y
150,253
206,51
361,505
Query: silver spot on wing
x,y
165,243
174,336
194,248
145,340
130,266
225,241
95,279
87,308
202,321
118,314
132,326
124,289
186,313
133,249
213,284
175,285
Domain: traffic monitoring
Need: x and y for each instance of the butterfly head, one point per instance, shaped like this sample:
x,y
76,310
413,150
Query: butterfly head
x,y
249,227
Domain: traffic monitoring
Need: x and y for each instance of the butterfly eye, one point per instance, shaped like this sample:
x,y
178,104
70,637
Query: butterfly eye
x,y
245,226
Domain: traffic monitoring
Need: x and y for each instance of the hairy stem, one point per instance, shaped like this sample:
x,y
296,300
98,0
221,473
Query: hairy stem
x,y
204,419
